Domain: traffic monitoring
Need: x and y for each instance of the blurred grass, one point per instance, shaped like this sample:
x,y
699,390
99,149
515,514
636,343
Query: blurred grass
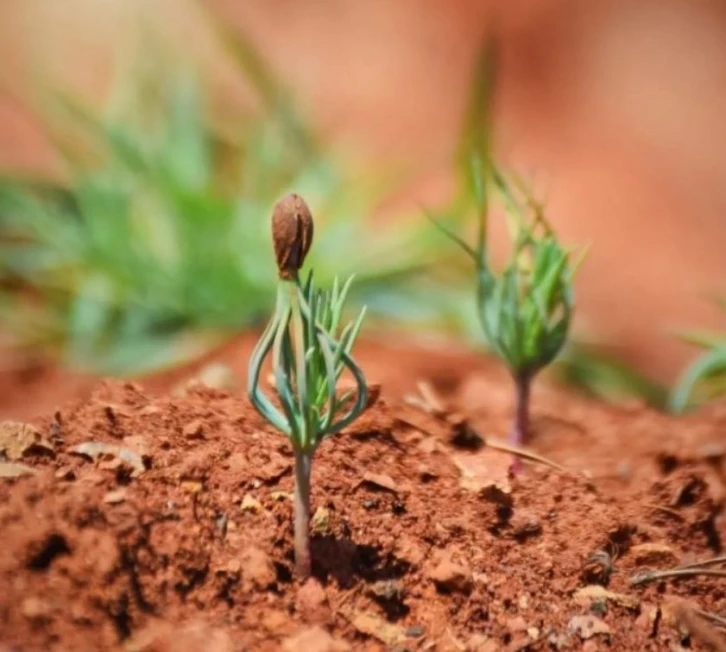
x,y
161,234
705,378
155,243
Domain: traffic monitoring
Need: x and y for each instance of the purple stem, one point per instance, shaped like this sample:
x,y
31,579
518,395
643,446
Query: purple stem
x,y
303,466
520,426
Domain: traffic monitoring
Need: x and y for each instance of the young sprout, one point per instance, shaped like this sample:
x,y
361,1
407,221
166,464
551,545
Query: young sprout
x,y
525,310
310,351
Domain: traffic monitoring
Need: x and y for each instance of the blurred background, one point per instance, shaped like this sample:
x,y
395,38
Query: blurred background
x,y
142,144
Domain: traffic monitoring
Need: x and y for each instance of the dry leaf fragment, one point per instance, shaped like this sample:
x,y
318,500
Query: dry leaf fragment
x,y
115,497
596,593
193,430
251,504
689,621
375,626
380,481
483,471
191,486
320,521
280,496
653,554
14,470
94,450
17,439
138,444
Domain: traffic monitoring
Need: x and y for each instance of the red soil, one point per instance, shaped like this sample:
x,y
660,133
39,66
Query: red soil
x,y
422,540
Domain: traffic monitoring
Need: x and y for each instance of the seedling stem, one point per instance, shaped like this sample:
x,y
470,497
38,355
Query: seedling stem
x,y
303,467
520,427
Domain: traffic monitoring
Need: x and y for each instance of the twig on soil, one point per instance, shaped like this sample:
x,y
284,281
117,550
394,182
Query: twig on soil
x,y
692,620
714,618
429,402
707,562
689,570
523,453
667,510
346,597
652,576
430,398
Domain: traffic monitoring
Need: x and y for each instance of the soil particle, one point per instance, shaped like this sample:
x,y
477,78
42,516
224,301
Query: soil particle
x,y
193,430
525,524
410,551
314,639
251,504
450,576
115,497
482,643
516,625
587,626
312,603
36,609
258,571
196,636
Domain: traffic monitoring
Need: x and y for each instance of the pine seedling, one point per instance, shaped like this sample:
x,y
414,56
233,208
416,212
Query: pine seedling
x,y
526,309
310,351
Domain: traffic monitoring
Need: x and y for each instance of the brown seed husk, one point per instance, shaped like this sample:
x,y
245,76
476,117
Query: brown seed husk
x,y
292,234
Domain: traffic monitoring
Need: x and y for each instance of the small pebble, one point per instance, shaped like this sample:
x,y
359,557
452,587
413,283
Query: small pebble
x,y
415,631
115,497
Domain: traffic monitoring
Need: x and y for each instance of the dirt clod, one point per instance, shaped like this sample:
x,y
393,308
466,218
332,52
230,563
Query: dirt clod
x,y
20,439
193,430
524,524
409,550
587,626
482,643
35,608
516,624
314,639
196,636
450,576
312,603
376,627
258,571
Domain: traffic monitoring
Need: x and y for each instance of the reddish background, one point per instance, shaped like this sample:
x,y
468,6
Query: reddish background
x,y
618,108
